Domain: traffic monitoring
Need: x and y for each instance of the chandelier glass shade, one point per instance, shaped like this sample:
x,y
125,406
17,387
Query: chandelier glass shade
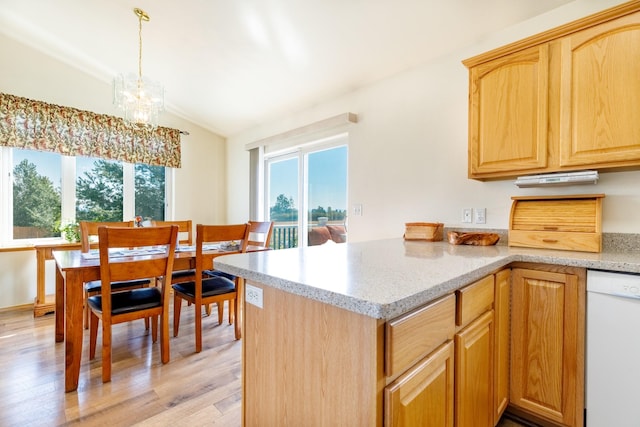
x,y
140,98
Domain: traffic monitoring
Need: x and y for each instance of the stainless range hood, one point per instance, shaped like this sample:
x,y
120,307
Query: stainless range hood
x,y
561,178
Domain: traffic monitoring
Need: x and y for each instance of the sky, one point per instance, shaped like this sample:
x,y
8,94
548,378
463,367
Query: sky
x,y
327,179
49,164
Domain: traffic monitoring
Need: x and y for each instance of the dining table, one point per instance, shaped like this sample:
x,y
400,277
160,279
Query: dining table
x,y
74,268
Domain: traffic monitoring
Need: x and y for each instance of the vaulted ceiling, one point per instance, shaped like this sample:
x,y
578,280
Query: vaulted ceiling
x,y
231,64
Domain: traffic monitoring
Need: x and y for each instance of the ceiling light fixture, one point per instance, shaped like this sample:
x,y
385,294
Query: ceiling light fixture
x,y
140,98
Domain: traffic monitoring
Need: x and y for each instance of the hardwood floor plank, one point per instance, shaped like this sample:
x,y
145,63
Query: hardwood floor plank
x,y
193,389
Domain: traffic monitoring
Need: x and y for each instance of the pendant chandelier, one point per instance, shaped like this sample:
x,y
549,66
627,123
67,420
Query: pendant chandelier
x,y
140,99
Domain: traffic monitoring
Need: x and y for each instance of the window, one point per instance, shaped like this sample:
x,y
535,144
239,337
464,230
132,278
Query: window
x,y
99,189
311,179
36,194
47,189
150,193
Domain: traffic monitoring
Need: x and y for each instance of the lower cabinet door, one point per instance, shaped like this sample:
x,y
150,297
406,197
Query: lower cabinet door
x,y
423,396
547,344
474,373
501,347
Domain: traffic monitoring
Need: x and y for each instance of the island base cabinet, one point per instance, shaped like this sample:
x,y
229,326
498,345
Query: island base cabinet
x,y
547,344
310,364
423,396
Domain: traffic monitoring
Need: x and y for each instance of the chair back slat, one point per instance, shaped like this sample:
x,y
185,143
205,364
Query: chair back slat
x,y
113,269
207,234
260,233
185,230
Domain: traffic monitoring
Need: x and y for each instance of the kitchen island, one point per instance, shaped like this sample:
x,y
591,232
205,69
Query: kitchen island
x,y
314,337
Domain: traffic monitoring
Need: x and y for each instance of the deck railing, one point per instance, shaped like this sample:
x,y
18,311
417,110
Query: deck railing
x,y
284,236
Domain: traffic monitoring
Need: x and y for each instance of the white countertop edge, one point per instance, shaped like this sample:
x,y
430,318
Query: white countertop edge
x,y
618,262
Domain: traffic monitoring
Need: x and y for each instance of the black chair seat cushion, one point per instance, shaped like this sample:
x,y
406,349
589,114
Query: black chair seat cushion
x,y
210,287
216,273
96,285
128,301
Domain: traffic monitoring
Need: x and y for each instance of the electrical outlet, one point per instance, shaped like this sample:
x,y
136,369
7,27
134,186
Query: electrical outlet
x,y
357,209
253,295
481,215
467,215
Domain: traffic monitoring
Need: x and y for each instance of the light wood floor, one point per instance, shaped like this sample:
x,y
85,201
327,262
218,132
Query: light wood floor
x,y
192,390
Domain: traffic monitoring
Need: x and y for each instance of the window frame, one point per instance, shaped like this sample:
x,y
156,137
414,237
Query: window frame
x,y
68,195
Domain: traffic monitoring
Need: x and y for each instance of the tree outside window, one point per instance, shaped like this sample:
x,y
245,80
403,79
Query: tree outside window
x,y
36,203
99,192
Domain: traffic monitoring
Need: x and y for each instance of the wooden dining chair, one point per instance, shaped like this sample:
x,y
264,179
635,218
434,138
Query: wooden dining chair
x,y
203,290
259,239
89,239
124,306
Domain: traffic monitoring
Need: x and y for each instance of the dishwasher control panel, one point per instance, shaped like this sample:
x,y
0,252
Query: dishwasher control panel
x,y
620,284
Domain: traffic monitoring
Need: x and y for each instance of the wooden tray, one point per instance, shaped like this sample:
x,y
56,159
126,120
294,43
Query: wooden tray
x,y
427,231
472,238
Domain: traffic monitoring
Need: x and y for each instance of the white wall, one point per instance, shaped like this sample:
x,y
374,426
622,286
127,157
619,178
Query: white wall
x,y
200,185
408,153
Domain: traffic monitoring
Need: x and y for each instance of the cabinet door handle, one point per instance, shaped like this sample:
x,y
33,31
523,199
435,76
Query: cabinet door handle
x,y
550,240
551,228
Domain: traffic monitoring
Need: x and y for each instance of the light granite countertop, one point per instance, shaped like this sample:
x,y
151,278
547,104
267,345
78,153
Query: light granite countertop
x,y
386,278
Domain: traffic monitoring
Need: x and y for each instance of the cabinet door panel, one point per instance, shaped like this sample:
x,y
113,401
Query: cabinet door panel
x,y
508,113
502,324
474,373
600,114
547,363
423,396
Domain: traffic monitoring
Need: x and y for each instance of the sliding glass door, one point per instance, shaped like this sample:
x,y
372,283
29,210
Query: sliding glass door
x,y
307,190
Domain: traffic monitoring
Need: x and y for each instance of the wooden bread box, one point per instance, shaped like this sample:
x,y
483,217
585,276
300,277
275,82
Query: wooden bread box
x,y
566,222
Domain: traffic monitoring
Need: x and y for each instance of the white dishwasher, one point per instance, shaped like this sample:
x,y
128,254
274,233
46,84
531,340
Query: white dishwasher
x,y
613,349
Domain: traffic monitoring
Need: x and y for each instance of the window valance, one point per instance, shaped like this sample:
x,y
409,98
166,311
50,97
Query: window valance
x,y
37,125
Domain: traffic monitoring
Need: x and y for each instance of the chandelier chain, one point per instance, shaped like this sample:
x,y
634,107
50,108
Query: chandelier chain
x,y
140,46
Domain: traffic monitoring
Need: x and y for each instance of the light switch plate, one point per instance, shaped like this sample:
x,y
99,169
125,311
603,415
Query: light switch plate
x,y
467,214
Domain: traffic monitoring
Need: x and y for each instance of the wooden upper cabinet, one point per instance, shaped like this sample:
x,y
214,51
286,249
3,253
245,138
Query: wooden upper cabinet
x,y
563,100
508,113
600,98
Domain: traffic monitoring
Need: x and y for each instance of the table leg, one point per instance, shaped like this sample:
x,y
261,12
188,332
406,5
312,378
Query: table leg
x,y
40,288
73,329
59,305
239,303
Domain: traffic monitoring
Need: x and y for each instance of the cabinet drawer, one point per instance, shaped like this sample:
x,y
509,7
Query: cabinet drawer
x,y
587,242
414,335
474,300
